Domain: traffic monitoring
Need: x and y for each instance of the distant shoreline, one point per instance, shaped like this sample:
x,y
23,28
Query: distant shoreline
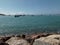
x,y
29,14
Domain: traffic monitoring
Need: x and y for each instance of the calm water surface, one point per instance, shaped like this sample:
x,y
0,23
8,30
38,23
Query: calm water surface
x,y
29,24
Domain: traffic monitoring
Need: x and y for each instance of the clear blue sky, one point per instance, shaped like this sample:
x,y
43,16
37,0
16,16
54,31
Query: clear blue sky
x,y
30,6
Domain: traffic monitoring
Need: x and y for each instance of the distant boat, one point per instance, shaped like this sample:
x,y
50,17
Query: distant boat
x,y
32,15
18,15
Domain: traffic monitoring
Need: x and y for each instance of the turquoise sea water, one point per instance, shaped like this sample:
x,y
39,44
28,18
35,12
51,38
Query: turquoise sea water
x,y
29,24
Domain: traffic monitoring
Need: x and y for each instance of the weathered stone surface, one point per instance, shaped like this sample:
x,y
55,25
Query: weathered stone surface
x,y
49,40
17,41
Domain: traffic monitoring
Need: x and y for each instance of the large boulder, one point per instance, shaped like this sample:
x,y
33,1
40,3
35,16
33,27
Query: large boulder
x,y
17,41
49,40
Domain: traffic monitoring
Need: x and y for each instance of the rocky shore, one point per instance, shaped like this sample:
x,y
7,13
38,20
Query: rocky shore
x,y
33,39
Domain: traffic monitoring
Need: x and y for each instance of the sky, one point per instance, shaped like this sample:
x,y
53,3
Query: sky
x,y
30,6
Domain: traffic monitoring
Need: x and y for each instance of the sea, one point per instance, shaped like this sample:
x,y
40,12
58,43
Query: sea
x,y
29,24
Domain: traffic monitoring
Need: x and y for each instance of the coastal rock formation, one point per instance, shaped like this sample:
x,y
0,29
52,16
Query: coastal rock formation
x,y
49,40
34,39
17,41
3,39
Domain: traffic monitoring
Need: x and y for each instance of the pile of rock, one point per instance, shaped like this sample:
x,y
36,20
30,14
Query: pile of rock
x,y
34,39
